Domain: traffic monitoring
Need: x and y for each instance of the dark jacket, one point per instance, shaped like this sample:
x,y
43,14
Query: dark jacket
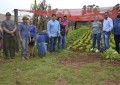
x,y
116,26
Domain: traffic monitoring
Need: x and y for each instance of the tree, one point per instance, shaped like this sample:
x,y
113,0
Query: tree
x,y
40,21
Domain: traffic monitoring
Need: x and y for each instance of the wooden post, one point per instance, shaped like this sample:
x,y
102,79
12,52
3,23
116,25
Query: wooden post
x,y
16,16
16,33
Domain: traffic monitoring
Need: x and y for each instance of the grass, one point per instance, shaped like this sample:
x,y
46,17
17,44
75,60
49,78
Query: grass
x,y
48,70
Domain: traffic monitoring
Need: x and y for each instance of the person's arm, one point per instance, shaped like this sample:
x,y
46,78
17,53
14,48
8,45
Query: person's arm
x,y
66,23
29,35
14,29
35,31
4,28
91,26
110,24
48,29
100,25
59,30
19,32
114,25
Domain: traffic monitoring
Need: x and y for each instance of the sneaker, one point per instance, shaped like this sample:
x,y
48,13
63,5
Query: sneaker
x,y
91,49
23,58
97,51
12,57
27,58
6,58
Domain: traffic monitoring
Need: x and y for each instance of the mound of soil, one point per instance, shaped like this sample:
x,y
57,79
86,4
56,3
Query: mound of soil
x,y
116,63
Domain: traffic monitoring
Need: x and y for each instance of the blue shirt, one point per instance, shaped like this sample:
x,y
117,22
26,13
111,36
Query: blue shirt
x,y
33,30
24,30
107,24
53,28
116,28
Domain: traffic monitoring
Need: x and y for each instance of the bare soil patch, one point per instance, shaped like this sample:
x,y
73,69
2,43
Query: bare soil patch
x,y
78,59
112,82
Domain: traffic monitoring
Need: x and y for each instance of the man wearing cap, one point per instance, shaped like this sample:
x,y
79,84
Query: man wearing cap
x,y
9,29
107,27
24,36
116,28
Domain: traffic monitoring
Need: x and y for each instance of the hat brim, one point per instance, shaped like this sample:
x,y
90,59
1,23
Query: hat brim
x,y
25,18
8,15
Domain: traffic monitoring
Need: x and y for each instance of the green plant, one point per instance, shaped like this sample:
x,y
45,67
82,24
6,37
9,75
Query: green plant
x,y
111,54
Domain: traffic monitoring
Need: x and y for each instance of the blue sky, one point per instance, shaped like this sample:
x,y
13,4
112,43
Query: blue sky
x,y
9,5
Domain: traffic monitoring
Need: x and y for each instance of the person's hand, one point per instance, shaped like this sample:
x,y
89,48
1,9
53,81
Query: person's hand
x,y
30,39
33,39
12,33
59,35
20,40
49,37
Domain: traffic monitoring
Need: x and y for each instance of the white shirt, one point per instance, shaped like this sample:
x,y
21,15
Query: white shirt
x,y
107,24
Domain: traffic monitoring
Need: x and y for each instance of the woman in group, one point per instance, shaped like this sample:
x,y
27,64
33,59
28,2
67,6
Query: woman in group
x,y
62,33
33,32
96,33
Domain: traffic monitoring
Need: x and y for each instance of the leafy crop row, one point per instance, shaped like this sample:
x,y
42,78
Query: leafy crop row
x,y
84,42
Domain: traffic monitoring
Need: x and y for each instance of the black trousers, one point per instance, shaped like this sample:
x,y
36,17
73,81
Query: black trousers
x,y
117,41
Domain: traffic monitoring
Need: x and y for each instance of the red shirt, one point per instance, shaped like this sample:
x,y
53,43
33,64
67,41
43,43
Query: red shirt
x,y
66,25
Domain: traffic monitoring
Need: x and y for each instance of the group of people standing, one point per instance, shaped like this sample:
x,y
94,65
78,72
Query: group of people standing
x,y
105,29
27,35
57,29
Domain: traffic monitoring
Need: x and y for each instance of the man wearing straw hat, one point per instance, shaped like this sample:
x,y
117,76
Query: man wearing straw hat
x,y
24,36
9,28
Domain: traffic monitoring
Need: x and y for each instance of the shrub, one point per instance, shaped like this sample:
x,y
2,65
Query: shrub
x,y
111,54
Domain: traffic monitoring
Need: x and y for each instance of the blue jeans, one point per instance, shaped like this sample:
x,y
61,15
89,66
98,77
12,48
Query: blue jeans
x,y
53,44
96,37
24,44
106,37
61,42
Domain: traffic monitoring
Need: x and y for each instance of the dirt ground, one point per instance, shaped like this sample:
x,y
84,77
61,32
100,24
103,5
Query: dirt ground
x,y
113,82
79,60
